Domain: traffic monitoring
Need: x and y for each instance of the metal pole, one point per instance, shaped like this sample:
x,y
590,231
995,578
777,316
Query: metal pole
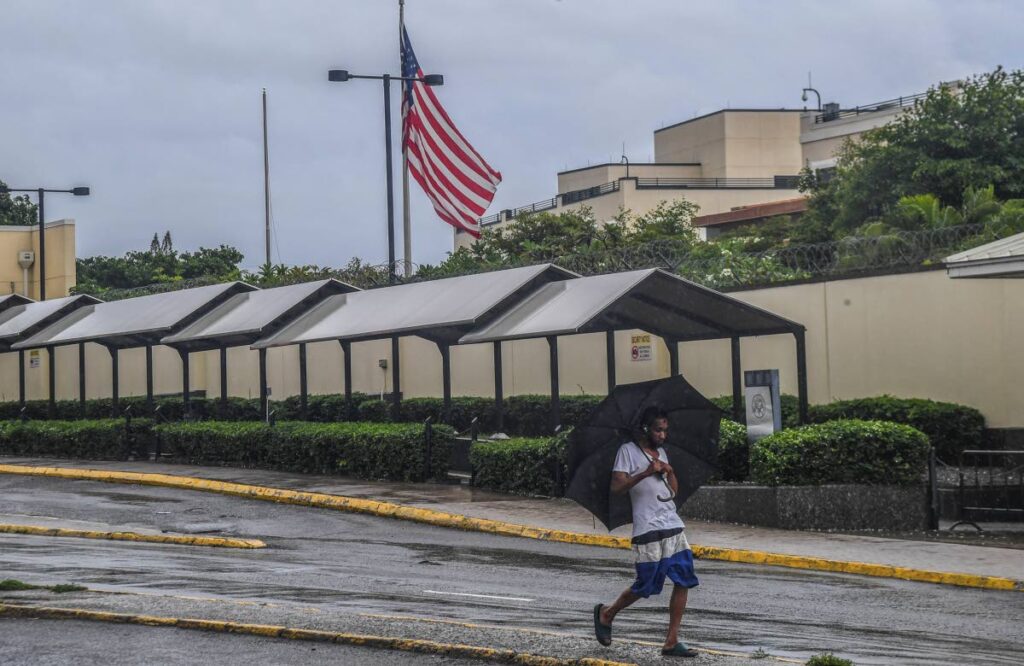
x,y
801,373
303,384
42,248
390,184
673,356
609,354
556,407
396,381
224,376
263,382
21,377
346,349
81,376
149,378
737,383
406,213
51,369
266,177
115,398
185,383
499,388
446,381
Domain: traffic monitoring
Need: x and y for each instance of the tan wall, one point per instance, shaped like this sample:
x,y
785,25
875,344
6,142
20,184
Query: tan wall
x,y
60,258
820,141
914,335
583,178
735,144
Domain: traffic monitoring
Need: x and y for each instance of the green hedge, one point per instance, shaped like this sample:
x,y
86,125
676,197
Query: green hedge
x,y
364,450
854,451
93,439
525,466
951,428
733,451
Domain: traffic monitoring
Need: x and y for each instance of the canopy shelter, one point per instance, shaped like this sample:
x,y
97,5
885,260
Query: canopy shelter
x,y
1003,258
440,311
651,300
246,317
133,322
20,319
12,300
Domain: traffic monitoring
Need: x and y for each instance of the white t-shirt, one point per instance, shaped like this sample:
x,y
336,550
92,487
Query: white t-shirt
x,y
649,513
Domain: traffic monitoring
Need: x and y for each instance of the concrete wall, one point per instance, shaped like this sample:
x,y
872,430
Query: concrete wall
x,y
820,141
579,179
60,258
914,335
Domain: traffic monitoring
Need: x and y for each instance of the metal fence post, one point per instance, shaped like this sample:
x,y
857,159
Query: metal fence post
x,y
428,446
933,492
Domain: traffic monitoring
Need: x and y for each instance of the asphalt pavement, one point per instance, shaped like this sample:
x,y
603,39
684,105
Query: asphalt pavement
x,y
362,574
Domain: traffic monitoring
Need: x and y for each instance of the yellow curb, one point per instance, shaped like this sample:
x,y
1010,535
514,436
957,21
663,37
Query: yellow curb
x,y
216,542
275,631
457,521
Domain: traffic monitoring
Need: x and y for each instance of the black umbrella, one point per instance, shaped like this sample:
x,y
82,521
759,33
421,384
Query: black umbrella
x,y
692,444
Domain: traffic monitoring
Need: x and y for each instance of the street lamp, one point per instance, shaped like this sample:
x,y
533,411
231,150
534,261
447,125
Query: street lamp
x,y
77,191
807,90
342,75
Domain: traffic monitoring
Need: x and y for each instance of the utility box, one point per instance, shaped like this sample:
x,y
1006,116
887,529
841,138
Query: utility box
x,y
26,258
764,411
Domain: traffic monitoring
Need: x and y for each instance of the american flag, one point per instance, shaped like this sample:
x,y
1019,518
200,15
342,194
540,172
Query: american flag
x,y
459,183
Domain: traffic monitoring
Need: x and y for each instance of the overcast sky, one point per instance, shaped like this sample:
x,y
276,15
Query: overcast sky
x,y
156,104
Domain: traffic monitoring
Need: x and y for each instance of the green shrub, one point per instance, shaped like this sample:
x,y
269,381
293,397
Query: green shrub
x,y
530,415
365,450
870,452
320,408
733,451
950,428
789,404
96,439
525,466
828,659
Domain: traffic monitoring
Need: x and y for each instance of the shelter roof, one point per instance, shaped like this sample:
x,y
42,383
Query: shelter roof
x,y
134,322
26,319
245,317
651,300
11,300
439,310
1001,258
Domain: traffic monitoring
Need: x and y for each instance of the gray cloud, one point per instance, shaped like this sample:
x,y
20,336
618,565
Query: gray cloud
x,y
156,104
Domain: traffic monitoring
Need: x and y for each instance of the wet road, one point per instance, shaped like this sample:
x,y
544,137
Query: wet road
x,y
360,565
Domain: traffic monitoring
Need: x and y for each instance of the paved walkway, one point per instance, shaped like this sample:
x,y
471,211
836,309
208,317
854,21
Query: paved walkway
x,y
566,515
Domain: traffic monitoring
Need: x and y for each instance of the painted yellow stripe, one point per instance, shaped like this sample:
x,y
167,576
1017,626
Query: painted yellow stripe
x,y
275,631
183,540
457,521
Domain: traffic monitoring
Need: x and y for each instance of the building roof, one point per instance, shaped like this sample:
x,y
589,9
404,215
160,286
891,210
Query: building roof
x,y
753,212
715,113
999,259
11,300
439,310
25,319
652,300
248,316
133,322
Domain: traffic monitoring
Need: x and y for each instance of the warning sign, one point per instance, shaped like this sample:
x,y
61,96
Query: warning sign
x,y
641,347
33,358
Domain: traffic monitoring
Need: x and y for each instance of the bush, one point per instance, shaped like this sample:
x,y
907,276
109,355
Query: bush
x,y
870,452
525,466
321,408
366,450
828,659
95,439
951,428
789,404
733,451
530,415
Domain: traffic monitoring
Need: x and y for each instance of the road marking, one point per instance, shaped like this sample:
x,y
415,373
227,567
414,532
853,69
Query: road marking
x,y
478,596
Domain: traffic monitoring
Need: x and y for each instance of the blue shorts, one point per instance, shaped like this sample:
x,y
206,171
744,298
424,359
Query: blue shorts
x,y
661,554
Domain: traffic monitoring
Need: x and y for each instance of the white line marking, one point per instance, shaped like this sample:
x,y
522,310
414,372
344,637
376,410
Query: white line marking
x,y
478,596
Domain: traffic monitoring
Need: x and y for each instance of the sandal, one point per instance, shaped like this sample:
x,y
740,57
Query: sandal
x,y
679,650
603,632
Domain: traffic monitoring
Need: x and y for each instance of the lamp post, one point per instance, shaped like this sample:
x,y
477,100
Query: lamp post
x,y
41,191
341,75
807,90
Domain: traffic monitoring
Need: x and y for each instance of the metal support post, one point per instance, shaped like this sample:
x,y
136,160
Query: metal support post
x,y
499,388
673,356
446,381
115,397
81,377
21,377
186,385
738,413
51,371
609,355
149,378
801,373
396,380
224,377
346,349
264,402
303,383
556,407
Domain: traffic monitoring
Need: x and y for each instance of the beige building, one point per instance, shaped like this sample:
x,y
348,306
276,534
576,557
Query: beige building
x,y
724,162
19,274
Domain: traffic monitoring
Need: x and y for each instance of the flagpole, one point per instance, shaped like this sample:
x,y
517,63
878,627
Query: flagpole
x,y
406,217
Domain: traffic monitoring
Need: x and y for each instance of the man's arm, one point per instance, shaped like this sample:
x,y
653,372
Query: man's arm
x,y
622,482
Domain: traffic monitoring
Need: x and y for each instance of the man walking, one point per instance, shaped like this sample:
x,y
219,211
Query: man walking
x,y
659,543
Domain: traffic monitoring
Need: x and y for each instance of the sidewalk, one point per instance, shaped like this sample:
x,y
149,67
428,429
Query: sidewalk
x,y
564,514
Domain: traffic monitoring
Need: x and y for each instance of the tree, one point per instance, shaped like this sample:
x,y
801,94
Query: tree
x,y
16,210
959,138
